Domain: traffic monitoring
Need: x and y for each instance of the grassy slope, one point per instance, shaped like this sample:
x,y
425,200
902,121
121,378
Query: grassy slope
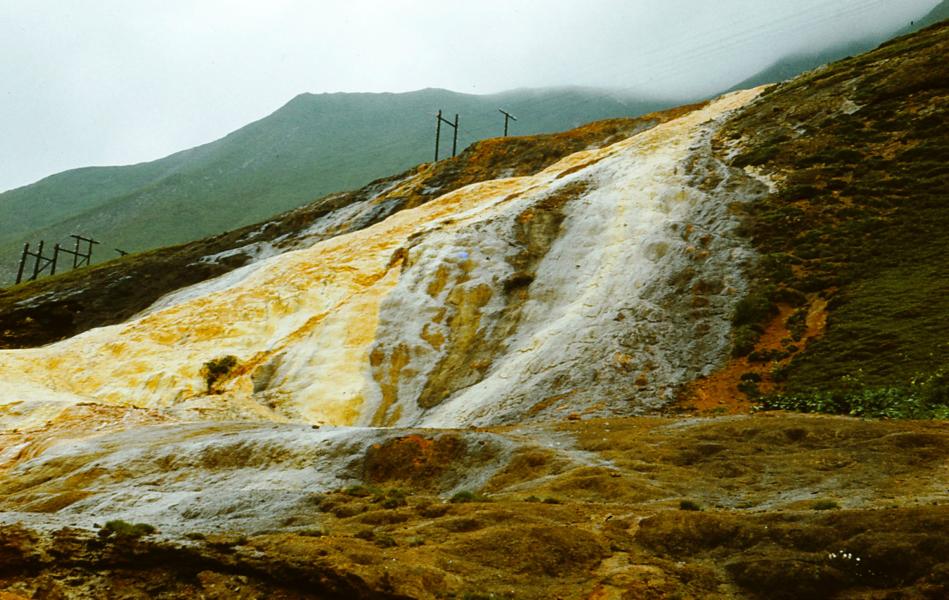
x,y
314,145
861,216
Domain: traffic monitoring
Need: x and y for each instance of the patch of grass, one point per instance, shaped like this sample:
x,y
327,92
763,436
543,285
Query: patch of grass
x,y
825,505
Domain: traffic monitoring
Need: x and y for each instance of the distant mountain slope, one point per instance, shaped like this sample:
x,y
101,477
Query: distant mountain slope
x,y
314,145
937,14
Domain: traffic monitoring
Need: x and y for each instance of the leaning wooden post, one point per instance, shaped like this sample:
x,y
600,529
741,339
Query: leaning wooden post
x,y
36,263
19,271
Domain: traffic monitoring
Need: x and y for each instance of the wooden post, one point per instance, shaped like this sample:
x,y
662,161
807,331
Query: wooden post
x,y
438,132
52,270
454,141
36,263
19,271
75,256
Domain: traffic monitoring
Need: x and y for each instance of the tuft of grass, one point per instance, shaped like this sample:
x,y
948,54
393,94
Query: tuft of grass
x,y
825,505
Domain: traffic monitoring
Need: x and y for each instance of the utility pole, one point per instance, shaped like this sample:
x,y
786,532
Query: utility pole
x,y
507,116
79,258
439,119
41,262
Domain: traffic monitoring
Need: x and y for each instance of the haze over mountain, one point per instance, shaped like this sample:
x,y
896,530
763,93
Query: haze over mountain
x,y
314,145
796,64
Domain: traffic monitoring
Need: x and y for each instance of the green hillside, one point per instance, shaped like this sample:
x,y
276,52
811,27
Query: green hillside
x,y
314,145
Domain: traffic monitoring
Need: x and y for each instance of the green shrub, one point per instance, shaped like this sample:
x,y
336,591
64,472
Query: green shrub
x,y
825,505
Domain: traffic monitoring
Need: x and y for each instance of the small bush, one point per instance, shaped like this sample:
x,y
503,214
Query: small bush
x,y
215,370
744,338
825,505
468,496
126,530
749,388
755,308
689,505
394,498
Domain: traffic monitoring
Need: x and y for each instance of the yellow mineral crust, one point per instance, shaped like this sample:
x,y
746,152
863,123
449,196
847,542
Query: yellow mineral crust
x,y
314,310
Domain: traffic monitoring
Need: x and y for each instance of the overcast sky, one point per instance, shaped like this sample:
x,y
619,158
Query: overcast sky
x,y
95,82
